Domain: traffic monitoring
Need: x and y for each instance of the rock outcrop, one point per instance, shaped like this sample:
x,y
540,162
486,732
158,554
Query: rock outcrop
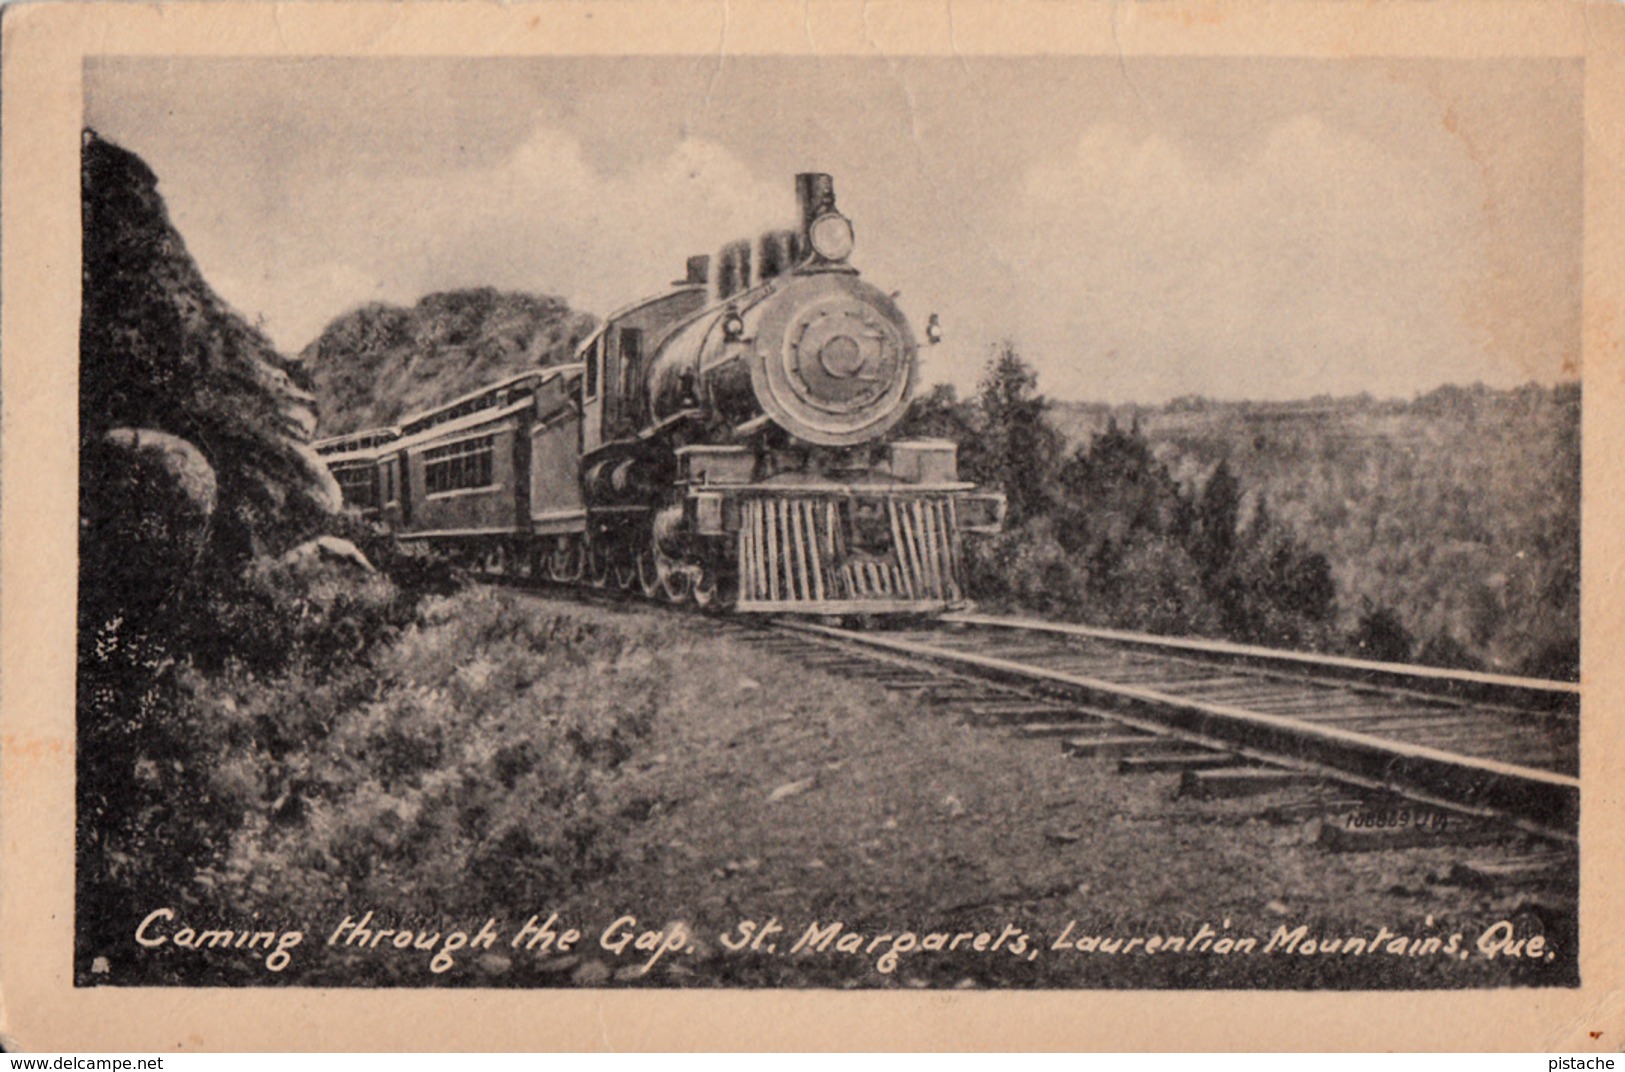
x,y
376,364
160,351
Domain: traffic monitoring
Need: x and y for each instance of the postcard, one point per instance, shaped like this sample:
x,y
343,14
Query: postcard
x,y
826,526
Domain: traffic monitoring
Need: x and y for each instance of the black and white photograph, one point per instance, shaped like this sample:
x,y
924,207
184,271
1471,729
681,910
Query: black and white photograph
x,y
775,520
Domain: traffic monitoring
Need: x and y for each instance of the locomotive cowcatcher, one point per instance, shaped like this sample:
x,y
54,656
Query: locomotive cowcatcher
x,y
723,443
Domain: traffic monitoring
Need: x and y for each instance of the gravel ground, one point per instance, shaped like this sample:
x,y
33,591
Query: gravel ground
x,y
894,844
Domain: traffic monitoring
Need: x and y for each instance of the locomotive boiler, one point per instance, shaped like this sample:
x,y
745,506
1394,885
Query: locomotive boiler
x,y
725,442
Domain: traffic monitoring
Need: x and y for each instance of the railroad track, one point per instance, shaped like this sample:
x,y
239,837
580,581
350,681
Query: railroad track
x,y
1233,719
1236,719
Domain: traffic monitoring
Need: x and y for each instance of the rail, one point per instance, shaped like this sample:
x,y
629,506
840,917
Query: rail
x,y
1498,689
1541,800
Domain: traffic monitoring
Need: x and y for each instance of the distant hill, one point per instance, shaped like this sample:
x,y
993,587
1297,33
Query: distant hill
x,y
376,364
1460,509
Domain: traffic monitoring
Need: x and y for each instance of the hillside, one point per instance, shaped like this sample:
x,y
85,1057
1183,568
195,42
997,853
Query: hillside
x,y
376,364
1459,510
179,395
199,495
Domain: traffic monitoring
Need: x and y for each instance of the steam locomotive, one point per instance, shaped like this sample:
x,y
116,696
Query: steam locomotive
x,y
723,443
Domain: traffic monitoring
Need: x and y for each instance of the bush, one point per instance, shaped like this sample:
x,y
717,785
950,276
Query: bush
x,y
1025,566
317,615
1380,635
1157,588
468,762
1444,650
179,743
1110,537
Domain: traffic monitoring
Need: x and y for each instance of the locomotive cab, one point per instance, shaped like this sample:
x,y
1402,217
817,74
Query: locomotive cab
x,y
615,359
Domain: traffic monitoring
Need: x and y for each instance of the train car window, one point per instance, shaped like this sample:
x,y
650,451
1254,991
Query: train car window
x,y
594,360
357,484
631,353
459,465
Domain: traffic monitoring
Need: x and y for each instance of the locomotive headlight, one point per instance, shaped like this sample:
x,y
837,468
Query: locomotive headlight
x,y
831,236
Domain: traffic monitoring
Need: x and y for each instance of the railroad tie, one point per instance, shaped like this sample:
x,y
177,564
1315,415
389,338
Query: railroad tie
x,y
1116,745
1012,710
1239,781
1539,867
1337,834
1060,729
1183,760
903,680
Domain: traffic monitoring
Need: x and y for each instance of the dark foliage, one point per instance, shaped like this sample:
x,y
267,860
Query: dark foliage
x,y
414,776
1382,636
1108,535
196,474
1459,511
158,349
1018,447
1444,650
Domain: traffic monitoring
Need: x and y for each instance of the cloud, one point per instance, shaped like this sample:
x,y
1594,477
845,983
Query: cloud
x,y
541,219
1313,261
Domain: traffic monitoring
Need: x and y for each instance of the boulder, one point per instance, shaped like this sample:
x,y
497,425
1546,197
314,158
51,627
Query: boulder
x,y
180,462
147,504
327,549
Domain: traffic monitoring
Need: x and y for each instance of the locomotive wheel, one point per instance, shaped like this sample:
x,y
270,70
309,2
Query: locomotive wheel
x,y
712,592
649,579
565,564
677,584
598,570
626,572
705,590
676,579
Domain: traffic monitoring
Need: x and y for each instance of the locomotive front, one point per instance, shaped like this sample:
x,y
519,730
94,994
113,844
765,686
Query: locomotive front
x,y
791,499
814,349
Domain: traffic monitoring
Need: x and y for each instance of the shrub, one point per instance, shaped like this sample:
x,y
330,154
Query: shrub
x,y
1115,540
467,768
1380,635
1026,566
275,615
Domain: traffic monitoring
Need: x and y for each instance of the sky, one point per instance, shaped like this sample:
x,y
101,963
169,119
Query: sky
x,y
1140,229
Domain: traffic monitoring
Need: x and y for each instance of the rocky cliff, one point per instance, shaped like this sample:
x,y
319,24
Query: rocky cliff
x,y
182,402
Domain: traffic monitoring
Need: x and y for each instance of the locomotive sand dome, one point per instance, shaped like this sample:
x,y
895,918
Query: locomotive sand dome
x,y
722,443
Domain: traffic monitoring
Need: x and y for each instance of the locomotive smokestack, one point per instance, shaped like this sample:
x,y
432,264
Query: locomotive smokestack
x,y
824,231
815,192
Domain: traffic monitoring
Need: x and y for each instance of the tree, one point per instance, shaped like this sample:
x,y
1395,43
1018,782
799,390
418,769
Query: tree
x,y
1017,448
939,414
1116,488
1213,532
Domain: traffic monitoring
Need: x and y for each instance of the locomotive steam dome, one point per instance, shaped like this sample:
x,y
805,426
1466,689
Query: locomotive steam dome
x,y
833,360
